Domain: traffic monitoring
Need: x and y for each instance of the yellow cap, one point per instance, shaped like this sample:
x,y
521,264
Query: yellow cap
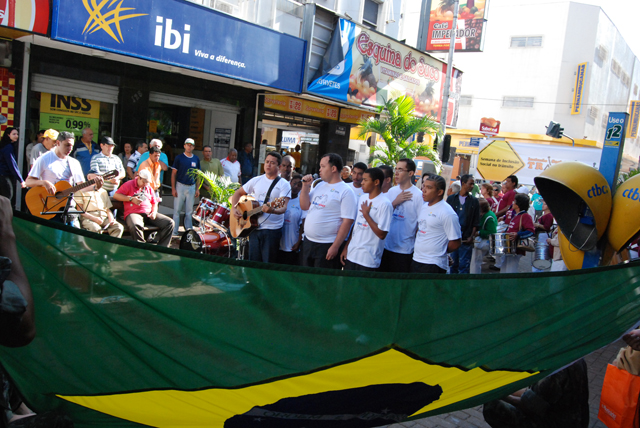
x,y
572,257
51,133
580,200
625,215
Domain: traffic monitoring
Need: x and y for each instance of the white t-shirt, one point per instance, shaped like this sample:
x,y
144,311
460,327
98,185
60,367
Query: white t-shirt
x,y
365,247
404,223
37,151
330,203
358,191
231,169
258,188
437,225
292,221
53,169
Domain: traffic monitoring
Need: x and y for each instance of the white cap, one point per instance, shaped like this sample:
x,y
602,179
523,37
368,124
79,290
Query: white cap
x,y
523,190
145,175
190,141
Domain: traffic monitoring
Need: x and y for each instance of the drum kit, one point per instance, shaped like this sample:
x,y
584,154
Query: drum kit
x,y
212,236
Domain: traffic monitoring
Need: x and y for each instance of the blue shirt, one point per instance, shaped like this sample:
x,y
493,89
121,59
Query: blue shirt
x,y
182,164
81,153
8,166
246,163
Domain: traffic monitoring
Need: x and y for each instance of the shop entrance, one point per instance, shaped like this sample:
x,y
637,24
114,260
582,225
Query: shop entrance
x,y
301,141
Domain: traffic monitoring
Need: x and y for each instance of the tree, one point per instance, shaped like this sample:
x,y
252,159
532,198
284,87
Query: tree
x,y
396,127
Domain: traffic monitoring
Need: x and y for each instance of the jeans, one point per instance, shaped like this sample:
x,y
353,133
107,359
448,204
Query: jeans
x,y
461,259
186,195
264,245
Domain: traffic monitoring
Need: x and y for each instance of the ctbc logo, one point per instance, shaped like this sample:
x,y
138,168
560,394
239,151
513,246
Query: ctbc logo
x,y
172,38
632,194
597,191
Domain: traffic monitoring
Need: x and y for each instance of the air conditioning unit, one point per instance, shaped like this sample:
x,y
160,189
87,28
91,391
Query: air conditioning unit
x,y
605,118
594,112
222,6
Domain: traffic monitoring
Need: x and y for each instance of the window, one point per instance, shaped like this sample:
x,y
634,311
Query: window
x,y
526,42
370,16
465,100
524,102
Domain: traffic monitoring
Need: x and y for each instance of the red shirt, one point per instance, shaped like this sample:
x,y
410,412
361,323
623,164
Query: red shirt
x,y
546,221
146,194
507,200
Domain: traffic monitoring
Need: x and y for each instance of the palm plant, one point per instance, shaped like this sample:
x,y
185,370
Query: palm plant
x,y
220,187
397,127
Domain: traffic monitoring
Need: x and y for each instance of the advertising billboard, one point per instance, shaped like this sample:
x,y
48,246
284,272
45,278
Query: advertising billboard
x,y
578,88
365,68
32,16
634,119
470,26
186,35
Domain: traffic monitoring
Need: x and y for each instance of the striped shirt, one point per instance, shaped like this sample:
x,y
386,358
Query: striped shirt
x,y
101,164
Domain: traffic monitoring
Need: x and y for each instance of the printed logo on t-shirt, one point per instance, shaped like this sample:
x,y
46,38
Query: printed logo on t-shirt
x,y
398,213
319,202
193,164
422,226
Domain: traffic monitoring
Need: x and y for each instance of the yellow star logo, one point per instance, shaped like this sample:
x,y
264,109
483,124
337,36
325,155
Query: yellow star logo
x,y
99,21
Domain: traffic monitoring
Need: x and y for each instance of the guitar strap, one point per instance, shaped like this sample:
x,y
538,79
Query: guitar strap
x,y
275,181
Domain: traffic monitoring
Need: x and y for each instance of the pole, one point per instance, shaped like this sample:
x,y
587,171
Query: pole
x,y
23,119
447,82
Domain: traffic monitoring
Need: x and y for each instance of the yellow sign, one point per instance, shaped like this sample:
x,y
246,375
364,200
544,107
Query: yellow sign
x,y
498,160
348,115
300,106
275,402
69,106
578,88
612,143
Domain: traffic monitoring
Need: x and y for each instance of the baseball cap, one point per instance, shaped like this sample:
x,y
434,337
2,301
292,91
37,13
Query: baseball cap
x,y
523,190
145,175
51,133
107,140
190,141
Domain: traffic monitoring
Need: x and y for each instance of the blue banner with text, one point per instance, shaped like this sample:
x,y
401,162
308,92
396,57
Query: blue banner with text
x,y
186,35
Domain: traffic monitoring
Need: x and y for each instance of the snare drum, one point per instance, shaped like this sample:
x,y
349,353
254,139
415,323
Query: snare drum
x,y
500,244
541,258
205,211
221,216
216,243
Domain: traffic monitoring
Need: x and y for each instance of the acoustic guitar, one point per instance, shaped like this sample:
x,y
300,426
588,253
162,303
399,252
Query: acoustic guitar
x,y
251,209
39,201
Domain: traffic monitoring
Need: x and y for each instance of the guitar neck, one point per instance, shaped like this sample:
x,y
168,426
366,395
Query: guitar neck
x,y
257,210
79,187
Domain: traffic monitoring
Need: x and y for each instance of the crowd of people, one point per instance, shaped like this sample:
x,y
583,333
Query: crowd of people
x,y
349,217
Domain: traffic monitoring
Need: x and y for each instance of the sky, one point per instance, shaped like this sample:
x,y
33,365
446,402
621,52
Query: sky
x,y
622,14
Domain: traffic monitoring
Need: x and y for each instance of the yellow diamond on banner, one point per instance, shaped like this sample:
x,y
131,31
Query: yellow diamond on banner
x,y
498,160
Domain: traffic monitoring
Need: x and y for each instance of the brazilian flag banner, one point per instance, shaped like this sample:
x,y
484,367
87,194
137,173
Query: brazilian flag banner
x,y
130,334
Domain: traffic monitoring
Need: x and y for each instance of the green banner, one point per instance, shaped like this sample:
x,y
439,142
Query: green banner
x,y
130,334
74,124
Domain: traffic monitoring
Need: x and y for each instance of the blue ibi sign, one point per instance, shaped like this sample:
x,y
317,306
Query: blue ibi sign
x,y
613,145
186,35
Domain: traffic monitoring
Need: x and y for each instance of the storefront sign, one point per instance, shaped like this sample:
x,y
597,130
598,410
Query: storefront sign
x,y
300,106
348,115
578,88
65,113
32,15
489,126
184,34
222,137
470,26
499,159
634,119
369,68
613,146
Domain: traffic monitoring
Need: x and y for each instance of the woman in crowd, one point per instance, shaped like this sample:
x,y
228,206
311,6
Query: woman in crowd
x,y
488,225
9,171
486,190
126,153
520,227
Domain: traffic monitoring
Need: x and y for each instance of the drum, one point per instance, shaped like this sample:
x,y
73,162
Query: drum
x,y
221,216
216,243
500,244
205,211
541,257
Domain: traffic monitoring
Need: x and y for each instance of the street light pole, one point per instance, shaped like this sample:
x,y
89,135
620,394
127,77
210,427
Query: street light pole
x,y
447,82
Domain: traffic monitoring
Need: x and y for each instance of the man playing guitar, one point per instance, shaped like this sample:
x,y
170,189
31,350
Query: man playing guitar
x,y
265,241
56,165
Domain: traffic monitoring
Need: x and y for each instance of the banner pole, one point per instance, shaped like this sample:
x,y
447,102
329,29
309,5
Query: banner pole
x,y
447,83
